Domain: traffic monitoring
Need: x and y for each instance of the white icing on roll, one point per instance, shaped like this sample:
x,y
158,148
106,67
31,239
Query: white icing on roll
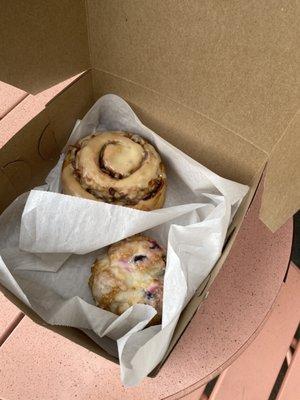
x,y
116,167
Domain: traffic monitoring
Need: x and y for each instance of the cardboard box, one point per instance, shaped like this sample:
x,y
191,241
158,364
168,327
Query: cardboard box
x,y
216,79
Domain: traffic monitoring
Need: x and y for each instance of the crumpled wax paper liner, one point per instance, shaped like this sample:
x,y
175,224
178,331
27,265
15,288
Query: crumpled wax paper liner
x,y
48,242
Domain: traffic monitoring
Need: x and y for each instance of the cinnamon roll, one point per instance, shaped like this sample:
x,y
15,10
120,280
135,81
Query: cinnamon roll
x,y
115,167
131,272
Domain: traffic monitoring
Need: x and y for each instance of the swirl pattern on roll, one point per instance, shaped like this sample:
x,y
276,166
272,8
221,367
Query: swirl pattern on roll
x,y
115,167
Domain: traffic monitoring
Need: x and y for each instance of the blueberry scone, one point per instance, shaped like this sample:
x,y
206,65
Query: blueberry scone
x,y
132,272
115,167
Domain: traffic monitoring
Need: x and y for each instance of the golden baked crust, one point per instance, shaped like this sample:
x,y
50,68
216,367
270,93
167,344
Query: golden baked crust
x,y
115,167
131,272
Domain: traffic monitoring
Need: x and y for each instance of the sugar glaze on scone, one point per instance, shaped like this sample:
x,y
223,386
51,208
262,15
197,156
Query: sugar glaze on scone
x,y
131,272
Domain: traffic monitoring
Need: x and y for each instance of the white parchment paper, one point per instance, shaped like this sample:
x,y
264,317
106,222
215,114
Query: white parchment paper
x,y
48,242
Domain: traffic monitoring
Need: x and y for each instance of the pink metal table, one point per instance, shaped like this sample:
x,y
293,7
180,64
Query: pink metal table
x,y
37,363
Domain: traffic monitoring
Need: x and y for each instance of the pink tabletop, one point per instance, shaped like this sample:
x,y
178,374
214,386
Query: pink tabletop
x,y
9,97
17,108
37,363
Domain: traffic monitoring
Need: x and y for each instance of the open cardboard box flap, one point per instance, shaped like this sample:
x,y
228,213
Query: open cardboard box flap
x,y
234,64
218,80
